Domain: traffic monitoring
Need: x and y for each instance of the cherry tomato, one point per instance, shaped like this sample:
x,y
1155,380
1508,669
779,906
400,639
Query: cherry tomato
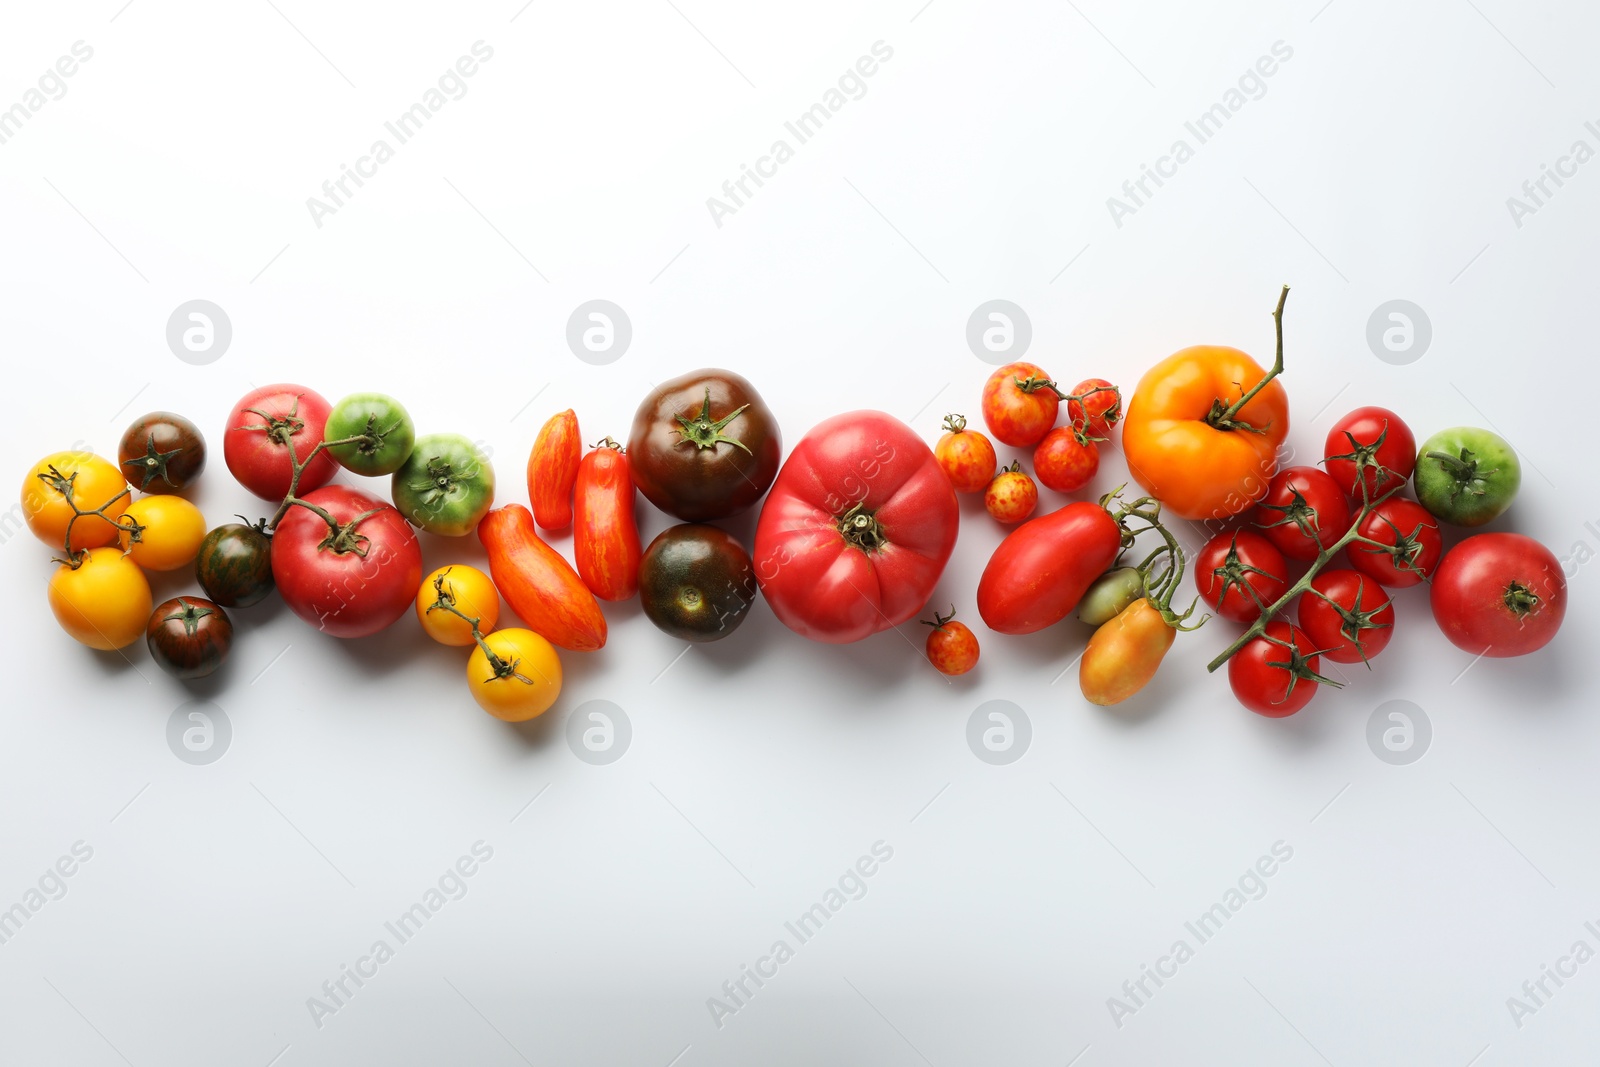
x,y
89,482
966,456
1303,512
353,579
1240,574
1065,460
1347,616
1276,674
952,648
1376,443
162,453
1098,411
261,429
172,530
189,637
1011,496
1499,594
1412,539
469,591
1020,404
522,680
104,602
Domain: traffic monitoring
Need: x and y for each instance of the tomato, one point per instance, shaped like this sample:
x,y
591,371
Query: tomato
x,y
161,453
466,589
1020,403
234,565
1124,654
104,602
1499,594
445,486
351,579
64,479
521,681
704,445
377,431
951,648
857,529
538,583
1042,569
1467,476
1347,616
1303,512
966,456
189,637
1011,496
1109,595
1099,409
1065,460
1371,446
1410,542
262,428
552,470
696,582
1276,674
605,541
1240,574
168,534
1180,449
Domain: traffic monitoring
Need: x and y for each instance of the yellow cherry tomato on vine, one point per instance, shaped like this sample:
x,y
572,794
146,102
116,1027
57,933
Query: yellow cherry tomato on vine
x,y
93,482
173,530
523,683
104,602
472,594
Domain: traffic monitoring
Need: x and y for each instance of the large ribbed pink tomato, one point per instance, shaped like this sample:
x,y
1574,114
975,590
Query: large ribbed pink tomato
x,y
345,562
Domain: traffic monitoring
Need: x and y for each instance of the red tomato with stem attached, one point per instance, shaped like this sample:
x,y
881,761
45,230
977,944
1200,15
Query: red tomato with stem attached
x,y
1041,570
1011,495
1240,574
1020,403
1499,594
1303,512
264,426
1276,674
966,456
952,648
1347,615
1370,445
1066,459
351,578
605,538
1099,409
1410,540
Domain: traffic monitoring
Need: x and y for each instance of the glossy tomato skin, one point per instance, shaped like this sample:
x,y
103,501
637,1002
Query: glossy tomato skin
x,y
1196,470
346,594
161,453
234,566
857,529
1261,684
530,682
1499,595
553,470
1467,476
696,582
1020,403
1384,447
189,637
259,457
386,431
538,583
1391,522
1011,497
171,532
1098,411
1041,570
1064,462
966,455
94,482
1305,495
445,486
104,602
1124,654
685,464
1232,565
952,648
605,538
1332,612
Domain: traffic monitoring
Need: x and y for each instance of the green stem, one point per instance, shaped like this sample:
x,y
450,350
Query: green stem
x,y
1226,418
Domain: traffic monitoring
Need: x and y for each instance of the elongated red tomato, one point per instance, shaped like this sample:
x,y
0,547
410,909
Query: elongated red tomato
x,y
856,530
605,537
1043,567
552,470
538,583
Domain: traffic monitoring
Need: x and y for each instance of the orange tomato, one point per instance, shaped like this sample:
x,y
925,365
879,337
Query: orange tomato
x,y
95,481
527,682
1123,654
1199,470
173,530
474,596
104,602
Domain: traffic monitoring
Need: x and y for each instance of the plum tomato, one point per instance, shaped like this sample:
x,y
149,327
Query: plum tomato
x,y
1020,403
262,429
1094,406
1370,445
189,637
1499,594
1110,595
1303,512
1011,495
1239,574
1066,459
1124,654
162,453
951,648
1347,615
1275,674
1408,543
966,455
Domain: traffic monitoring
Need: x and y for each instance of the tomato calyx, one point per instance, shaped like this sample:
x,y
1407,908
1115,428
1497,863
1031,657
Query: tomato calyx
x,y
703,433
190,615
1162,570
1234,573
1520,599
1463,471
955,423
860,528
1353,621
371,438
500,668
279,428
342,538
1224,416
1296,512
1365,458
437,481
1298,666
1405,550
1033,383
608,442
153,463
939,621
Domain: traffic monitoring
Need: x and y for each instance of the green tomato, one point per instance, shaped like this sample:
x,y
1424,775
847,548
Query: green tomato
x,y
384,426
445,486
1109,594
1466,476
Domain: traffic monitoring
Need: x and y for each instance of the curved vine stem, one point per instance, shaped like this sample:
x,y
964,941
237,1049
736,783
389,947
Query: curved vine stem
x,y
1225,418
445,600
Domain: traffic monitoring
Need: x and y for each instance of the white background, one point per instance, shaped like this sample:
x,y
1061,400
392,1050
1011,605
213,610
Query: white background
x,y
1376,166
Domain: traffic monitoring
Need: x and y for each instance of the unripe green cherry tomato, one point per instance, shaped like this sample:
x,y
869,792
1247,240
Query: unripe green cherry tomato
x,y
384,426
1466,476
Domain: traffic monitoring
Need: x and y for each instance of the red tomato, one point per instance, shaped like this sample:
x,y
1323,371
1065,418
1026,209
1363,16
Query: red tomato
x,y
1098,411
1377,443
1499,594
605,538
952,648
1240,574
1276,674
262,427
1347,615
1064,461
538,583
1041,570
966,456
352,580
552,470
1011,496
1020,404
1412,539
1304,511
856,529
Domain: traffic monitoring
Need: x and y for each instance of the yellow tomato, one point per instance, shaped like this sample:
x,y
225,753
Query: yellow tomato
x,y
525,684
472,593
104,602
173,530
1123,654
94,482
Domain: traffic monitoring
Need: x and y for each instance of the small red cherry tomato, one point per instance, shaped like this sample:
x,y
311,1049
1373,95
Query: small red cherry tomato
x,y
1065,460
1347,615
1410,540
1020,404
1276,674
1240,574
1372,445
1011,496
1303,511
951,648
1099,408
966,456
